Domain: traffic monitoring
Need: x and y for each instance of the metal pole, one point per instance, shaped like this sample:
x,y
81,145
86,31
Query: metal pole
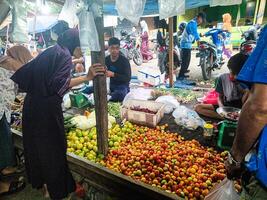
x,y
100,88
261,11
171,51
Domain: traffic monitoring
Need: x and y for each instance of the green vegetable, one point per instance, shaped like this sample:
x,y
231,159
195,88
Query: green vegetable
x,y
114,109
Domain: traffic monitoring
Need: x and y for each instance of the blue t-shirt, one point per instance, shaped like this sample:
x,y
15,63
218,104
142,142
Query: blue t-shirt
x,y
255,71
214,33
189,35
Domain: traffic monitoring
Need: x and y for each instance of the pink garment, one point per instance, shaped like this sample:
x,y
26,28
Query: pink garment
x,y
147,55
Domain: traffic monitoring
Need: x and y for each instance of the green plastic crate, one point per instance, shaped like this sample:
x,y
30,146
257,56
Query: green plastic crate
x,y
226,136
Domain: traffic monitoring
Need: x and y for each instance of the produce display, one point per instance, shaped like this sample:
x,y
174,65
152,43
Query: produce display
x,y
182,95
83,142
156,157
146,110
233,115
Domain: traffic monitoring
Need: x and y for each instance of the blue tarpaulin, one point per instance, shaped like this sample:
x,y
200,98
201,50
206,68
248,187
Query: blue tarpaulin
x,y
152,8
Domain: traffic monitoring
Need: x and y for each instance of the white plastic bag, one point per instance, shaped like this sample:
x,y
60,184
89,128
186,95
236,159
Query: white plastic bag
x,y
187,118
170,103
224,2
130,9
223,191
170,8
68,13
138,94
88,33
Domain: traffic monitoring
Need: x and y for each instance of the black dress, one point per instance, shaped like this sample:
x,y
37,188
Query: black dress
x,y
46,79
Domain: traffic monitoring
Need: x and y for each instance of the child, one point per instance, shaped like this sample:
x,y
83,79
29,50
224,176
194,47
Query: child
x,y
230,91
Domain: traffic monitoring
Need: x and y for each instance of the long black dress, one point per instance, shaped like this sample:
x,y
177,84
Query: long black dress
x,y
46,79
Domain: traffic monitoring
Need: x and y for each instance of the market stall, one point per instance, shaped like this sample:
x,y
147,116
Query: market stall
x,y
129,153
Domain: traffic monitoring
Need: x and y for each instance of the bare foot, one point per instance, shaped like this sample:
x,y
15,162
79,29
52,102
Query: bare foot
x,y
45,191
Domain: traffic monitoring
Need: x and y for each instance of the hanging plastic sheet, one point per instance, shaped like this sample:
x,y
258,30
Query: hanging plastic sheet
x,y
4,10
130,9
19,21
170,8
88,32
224,2
68,13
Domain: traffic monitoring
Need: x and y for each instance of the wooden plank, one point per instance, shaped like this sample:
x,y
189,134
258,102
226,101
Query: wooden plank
x,y
171,51
256,12
100,88
107,180
260,14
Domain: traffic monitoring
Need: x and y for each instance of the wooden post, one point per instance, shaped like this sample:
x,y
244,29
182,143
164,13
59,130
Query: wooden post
x,y
171,51
100,89
261,12
256,12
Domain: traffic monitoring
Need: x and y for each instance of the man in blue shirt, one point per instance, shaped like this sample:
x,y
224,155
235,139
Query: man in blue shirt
x,y
189,36
250,144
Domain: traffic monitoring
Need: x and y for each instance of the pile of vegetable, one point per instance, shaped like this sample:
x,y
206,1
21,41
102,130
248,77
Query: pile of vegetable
x,y
114,109
182,95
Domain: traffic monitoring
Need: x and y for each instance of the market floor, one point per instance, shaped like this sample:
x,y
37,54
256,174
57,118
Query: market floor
x,y
195,70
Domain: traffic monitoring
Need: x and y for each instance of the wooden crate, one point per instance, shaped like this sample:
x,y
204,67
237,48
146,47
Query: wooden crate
x,y
106,180
143,118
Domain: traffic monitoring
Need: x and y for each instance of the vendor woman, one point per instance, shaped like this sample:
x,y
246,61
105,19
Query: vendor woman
x,y
45,80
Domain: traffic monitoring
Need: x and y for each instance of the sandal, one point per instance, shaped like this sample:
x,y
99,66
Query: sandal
x,y
14,187
16,173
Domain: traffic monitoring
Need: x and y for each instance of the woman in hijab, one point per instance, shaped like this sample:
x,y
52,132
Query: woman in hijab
x,y
147,55
15,58
227,26
45,80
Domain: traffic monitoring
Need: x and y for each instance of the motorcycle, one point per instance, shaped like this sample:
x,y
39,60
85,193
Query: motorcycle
x,y
130,48
208,59
250,37
163,56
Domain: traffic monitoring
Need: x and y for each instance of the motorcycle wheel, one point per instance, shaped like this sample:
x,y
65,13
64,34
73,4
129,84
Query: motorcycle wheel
x,y
137,57
206,68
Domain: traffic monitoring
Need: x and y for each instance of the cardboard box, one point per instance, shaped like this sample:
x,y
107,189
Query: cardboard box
x,y
143,118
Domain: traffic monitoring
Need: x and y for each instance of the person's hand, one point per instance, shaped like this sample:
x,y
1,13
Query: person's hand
x,y
95,70
110,74
233,170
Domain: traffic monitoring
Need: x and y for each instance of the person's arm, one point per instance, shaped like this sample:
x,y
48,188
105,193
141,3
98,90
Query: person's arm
x,y
221,100
195,33
78,60
94,70
123,76
254,111
245,96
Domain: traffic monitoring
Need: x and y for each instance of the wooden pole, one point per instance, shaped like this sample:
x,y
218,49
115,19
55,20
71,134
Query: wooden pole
x,y
100,88
261,12
256,12
171,51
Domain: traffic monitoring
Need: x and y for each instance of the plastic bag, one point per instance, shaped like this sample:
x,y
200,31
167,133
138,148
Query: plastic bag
x,y
130,9
170,8
224,3
211,97
88,31
170,103
138,94
19,22
187,118
223,191
68,13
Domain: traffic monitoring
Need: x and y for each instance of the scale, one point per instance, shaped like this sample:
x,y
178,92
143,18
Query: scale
x,y
227,128
77,98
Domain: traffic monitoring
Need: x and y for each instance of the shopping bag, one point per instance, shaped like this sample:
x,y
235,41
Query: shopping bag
x,y
223,191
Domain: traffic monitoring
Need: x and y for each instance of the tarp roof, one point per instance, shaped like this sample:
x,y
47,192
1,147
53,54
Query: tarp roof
x,y
151,7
